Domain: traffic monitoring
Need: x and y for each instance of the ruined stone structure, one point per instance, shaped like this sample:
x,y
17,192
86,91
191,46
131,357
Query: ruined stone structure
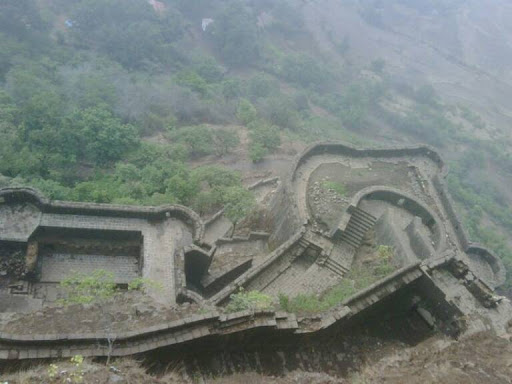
x,y
394,197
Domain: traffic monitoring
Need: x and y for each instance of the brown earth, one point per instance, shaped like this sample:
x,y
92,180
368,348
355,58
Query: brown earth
x,y
482,358
123,312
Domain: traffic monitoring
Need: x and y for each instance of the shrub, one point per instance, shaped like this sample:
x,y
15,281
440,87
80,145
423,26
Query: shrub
x,y
257,151
262,85
302,303
99,286
209,70
385,252
84,289
246,112
251,300
232,88
198,139
192,80
238,203
305,71
264,138
281,111
225,141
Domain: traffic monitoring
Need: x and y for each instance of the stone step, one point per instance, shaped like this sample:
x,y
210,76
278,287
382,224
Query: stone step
x,y
361,222
334,268
360,212
350,241
354,235
304,243
357,232
337,264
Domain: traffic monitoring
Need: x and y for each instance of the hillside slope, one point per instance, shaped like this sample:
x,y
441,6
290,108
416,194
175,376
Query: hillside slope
x,y
122,101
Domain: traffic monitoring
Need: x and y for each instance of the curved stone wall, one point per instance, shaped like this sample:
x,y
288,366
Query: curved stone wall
x,y
410,204
463,238
340,148
33,196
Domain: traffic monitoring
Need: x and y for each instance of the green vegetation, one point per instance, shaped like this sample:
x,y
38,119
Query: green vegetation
x,y
129,32
77,106
238,203
339,188
98,287
235,35
246,112
359,277
75,375
251,300
480,200
264,139
114,104
144,285
83,289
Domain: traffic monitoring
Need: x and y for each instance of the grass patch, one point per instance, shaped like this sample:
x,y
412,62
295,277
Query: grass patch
x,y
339,188
249,300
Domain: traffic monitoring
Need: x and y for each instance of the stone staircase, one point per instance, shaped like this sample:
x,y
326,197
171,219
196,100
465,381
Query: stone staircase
x,y
335,267
360,222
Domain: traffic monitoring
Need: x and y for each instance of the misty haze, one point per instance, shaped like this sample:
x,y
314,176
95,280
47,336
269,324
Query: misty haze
x,y
255,191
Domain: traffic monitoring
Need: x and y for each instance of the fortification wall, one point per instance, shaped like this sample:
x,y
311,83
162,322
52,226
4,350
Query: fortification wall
x,y
437,181
200,326
463,237
29,195
283,216
339,148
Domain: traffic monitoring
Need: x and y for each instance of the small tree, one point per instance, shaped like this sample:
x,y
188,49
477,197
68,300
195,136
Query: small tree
x,y
225,140
257,151
264,138
84,289
246,112
238,203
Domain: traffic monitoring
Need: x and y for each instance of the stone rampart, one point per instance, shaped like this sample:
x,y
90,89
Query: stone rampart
x,y
463,237
110,210
438,183
180,331
339,148
283,216
253,236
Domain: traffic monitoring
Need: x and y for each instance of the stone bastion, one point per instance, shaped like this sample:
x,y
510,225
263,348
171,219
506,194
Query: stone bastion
x,y
338,205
